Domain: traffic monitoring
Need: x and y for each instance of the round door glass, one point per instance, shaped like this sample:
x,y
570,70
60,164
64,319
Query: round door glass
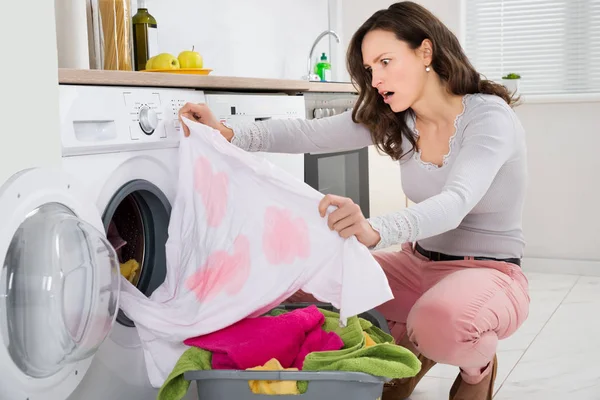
x,y
60,288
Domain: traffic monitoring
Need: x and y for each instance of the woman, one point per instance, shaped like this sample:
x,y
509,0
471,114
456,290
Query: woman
x,y
457,281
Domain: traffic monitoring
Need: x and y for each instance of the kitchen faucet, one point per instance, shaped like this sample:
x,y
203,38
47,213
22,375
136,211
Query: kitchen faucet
x,y
309,75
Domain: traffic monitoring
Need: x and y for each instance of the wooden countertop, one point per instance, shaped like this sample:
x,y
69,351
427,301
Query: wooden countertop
x,y
205,82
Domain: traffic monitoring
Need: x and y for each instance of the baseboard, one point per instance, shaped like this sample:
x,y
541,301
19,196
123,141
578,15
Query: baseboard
x,y
562,266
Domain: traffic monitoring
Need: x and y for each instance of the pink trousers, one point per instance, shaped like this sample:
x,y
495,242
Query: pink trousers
x,y
454,312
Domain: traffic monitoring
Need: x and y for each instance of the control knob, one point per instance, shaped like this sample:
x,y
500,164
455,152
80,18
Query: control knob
x,y
148,120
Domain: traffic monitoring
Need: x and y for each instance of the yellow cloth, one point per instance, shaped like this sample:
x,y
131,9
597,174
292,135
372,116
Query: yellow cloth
x,y
273,387
130,269
369,342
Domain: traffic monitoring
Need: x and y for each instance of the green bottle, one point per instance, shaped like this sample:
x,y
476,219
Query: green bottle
x,y
145,36
323,69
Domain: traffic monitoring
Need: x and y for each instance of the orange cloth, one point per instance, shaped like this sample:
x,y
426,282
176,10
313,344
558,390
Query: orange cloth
x,y
369,342
273,387
129,269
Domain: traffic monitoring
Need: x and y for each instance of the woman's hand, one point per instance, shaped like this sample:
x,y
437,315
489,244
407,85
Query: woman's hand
x,y
201,113
348,220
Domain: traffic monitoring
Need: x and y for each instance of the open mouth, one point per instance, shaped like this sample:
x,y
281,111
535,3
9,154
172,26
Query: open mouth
x,y
387,96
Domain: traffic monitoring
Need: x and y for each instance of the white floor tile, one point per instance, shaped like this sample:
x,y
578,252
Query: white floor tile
x,y
547,291
562,362
443,371
432,389
587,290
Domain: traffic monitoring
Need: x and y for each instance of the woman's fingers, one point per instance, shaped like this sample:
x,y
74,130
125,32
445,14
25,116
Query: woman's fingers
x,y
192,112
192,108
346,222
348,217
341,217
331,200
354,229
186,130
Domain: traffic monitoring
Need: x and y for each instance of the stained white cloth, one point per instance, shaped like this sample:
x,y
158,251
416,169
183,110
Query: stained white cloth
x,y
244,235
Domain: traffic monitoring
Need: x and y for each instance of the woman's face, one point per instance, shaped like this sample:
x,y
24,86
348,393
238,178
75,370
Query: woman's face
x,y
398,72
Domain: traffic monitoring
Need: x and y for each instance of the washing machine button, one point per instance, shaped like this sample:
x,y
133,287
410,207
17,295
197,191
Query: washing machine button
x,y
148,120
134,133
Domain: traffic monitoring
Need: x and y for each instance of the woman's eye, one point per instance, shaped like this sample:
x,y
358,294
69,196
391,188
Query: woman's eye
x,y
385,61
368,69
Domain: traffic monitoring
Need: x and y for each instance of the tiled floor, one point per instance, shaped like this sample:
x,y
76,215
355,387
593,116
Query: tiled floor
x,y
555,354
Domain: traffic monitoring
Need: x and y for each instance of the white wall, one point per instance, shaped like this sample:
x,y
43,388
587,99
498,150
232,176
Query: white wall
x,y
562,213
250,38
29,86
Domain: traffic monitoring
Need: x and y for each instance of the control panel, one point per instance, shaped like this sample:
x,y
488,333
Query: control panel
x,y
145,114
96,119
255,107
321,105
244,108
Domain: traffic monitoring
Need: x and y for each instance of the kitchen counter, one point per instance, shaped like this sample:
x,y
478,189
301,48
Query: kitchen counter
x,y
204,82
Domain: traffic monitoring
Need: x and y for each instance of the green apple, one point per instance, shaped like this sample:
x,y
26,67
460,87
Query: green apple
x,y
190,59
165,61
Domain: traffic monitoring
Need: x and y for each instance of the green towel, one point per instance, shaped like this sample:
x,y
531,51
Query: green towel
x,y
176,387
384,359
351,334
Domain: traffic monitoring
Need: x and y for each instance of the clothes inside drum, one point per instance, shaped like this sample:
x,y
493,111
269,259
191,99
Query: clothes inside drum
x,y
126,235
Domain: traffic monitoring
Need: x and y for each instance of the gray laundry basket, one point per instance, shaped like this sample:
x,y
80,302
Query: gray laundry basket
x,y
326,385
322,385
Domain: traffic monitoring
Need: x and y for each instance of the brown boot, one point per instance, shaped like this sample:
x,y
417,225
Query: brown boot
x,y
484,390
400,389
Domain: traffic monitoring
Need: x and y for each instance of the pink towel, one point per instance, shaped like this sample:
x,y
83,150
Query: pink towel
x,y
254,341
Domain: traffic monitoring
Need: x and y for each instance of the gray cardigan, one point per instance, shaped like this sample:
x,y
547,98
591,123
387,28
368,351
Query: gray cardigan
x,y
470,206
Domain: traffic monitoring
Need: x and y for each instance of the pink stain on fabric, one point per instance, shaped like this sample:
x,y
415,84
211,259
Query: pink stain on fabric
x,y
285,238
213,188
222,272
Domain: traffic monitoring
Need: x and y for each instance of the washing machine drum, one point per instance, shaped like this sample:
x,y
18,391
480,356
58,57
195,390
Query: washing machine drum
x,y
59,286
136,221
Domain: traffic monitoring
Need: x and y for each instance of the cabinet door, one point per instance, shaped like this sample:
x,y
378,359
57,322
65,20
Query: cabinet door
x,y
385,185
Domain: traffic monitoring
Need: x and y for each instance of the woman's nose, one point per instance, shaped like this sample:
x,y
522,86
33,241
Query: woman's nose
x,y
375,79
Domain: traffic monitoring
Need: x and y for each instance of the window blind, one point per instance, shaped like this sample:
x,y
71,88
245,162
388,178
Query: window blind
x,y
553,44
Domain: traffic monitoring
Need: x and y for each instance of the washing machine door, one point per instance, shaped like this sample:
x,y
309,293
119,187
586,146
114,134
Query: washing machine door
x,y
59,285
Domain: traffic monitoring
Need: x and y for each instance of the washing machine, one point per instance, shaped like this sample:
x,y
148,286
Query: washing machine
x,y
123,143
72,229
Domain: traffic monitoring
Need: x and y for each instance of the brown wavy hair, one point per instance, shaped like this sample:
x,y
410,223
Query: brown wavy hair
x,y
411,23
